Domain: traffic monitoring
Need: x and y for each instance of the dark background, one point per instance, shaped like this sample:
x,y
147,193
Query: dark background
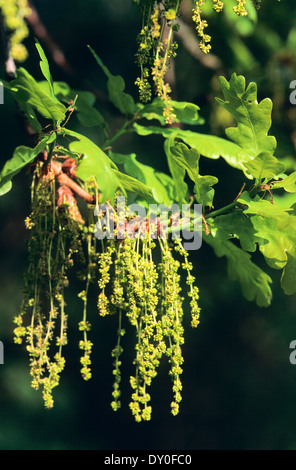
x,y
238,384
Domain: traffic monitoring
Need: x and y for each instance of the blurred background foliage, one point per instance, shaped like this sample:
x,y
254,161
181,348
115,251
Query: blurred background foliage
x,y
239,385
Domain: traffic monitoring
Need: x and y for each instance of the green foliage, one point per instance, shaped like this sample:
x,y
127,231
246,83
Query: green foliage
x,y
275,230
44,66
264,166
27,91
207,145
252,221
161,186
253,123
251,150
235,225
254,282
185,113
189,159
288,183
132,185
94,164
22,157
116,86
85,109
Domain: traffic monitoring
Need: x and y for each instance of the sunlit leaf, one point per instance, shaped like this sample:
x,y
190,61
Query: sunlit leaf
x,y
253,118
44,65
288,183
261,207
288,280
26,90
275,228
264,166
134,186
94,164
178,173
236,225
22,157
207,145
160,184
189,160
186,113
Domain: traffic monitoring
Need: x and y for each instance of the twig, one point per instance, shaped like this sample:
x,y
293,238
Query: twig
x,y
241,190
66,196
41,32
10,67
207,230
35,23
64,180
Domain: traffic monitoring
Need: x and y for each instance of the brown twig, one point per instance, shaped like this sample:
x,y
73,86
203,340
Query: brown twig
x,y
64,180
241,190
41,32
10,67
65,196
207,231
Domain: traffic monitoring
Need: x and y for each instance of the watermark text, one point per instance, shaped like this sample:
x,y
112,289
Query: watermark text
x,y
156,221
1,93
1,353
293,94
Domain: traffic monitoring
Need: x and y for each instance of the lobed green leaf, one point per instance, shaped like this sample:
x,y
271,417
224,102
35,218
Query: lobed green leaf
x,y
186,113
255,283
44,66
235,225
288,183
264,166
189,160
178,173
28,92
94,164
160,184
207,145
134,186
275,229
253,120
116,86
22,157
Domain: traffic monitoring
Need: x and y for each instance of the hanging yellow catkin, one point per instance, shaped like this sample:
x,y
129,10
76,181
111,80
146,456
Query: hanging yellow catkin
x,y
202,24
14,13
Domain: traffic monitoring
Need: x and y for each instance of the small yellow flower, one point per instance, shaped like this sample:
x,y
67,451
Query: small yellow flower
x,y
240,9
170,14
29,223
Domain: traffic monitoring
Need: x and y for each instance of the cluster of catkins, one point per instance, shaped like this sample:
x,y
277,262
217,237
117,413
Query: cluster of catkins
x,y
55,240
139,280
156,45
148,295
